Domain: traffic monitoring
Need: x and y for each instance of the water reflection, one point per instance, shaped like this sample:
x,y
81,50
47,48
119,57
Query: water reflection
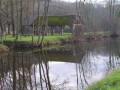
x,y
73,67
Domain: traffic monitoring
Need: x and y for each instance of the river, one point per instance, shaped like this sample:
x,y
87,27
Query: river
x,y
64,67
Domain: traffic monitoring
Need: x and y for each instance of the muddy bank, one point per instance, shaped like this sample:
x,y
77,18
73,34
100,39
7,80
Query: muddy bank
x,y
88,38
27,45
3,48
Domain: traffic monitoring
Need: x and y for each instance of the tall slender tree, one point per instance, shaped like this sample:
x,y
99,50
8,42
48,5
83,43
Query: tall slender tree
x,y
1,27
45,20
21,16
33,25
12,17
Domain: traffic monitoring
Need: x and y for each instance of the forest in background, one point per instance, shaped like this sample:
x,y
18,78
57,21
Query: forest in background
x,y
14,14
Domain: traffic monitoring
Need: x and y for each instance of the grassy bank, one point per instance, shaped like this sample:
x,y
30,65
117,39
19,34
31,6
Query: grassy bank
x,y
51,38
110,82
26,40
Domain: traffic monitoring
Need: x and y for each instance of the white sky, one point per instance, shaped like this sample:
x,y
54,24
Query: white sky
x,y
69,0
93,1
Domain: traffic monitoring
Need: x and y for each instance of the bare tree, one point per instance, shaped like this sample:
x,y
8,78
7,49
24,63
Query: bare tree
x,y
1,26
12,17
33,25
45,20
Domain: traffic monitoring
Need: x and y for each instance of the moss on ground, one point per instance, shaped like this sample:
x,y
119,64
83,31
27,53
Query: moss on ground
x,y
54,20
3,48
110,82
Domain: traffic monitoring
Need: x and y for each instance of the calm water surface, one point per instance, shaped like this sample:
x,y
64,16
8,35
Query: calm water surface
x,y
67,67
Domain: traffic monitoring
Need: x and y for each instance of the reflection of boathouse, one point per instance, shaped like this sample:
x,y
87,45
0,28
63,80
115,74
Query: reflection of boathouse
x,y
61,57
64,54
23,70
20,68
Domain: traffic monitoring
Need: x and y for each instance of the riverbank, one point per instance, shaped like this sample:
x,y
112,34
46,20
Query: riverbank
x,y
110,82
26,41
3,48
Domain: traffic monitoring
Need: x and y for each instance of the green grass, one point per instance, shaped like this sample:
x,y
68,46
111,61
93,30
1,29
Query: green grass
x,y
51,38
110,82
56,37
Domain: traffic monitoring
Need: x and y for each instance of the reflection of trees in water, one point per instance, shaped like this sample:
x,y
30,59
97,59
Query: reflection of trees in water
x,y
82,54
26,71
19,72
84,68
44,73
113,49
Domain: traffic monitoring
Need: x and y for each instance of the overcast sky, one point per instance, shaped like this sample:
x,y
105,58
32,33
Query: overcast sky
x,y
93,1
69,0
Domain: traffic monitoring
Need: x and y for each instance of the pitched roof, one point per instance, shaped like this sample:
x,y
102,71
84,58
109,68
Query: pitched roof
x,y
56,20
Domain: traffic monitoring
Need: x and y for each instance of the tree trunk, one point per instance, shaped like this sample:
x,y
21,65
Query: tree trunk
x,y
21,15
33,26
45,20
38,27
12,17
1,26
